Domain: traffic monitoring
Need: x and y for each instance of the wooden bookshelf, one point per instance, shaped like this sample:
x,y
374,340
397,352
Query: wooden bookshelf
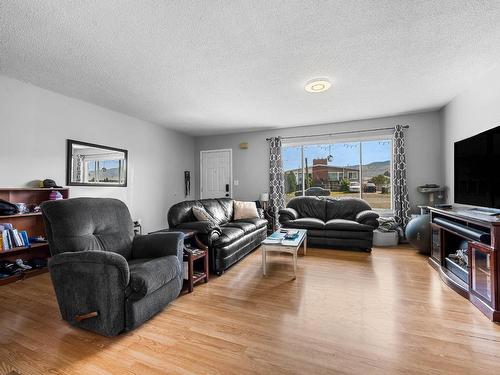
x,y
24,249
30,222
20,215
24,275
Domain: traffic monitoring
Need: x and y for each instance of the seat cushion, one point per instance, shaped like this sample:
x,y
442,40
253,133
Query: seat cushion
x,y
81,224
257,221
202,215
244,226
148,275
347,225
220,209
314,207
345,208
305,223
228,235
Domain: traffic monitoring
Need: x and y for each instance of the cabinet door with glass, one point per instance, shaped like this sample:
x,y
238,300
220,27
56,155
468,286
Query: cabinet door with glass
x,y
482,272
436,243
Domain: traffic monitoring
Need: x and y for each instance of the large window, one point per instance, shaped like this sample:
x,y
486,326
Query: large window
x,y
359,169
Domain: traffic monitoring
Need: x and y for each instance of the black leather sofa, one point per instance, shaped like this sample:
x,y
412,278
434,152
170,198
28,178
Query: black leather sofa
x,y
343,223
228,240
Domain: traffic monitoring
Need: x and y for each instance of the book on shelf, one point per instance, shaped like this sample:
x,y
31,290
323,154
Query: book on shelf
x,y
7,244
25,238
5,241
12,237
16,237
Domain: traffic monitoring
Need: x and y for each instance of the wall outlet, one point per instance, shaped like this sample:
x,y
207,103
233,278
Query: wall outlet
x,y
236,182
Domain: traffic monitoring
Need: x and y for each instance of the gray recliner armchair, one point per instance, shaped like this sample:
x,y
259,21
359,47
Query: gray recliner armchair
x,y
106,280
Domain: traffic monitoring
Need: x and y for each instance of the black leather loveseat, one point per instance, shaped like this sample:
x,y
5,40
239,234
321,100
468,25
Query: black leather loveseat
x,y
228,240
343,223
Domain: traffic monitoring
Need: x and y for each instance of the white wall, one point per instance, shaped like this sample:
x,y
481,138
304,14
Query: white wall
x,y
250,166
470,113
35,124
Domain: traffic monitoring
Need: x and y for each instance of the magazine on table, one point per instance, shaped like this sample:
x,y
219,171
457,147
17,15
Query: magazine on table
x,y
290,234
284,235
276,237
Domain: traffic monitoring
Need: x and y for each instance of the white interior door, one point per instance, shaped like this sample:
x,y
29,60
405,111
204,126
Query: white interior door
x,y
216,173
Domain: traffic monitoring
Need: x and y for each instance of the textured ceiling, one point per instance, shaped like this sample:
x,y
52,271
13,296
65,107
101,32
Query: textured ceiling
x,y
207,67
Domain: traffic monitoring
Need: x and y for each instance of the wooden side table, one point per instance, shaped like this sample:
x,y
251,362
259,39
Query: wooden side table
x,y
196,256
196,274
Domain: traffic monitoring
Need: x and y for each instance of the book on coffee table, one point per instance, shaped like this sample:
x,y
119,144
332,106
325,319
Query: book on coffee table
x,y
276,237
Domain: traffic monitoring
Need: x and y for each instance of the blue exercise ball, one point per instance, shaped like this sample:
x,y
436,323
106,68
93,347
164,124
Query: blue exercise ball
x,y
418,233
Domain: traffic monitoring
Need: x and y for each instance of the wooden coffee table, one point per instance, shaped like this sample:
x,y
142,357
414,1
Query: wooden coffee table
x,y
285,246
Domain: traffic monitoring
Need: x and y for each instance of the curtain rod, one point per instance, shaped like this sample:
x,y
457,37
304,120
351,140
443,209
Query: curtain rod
x,y
345,132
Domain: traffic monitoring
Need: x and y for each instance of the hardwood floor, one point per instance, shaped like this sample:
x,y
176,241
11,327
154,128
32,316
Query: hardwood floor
x,y
346,313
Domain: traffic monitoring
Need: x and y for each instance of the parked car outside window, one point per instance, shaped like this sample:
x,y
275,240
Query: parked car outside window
x,y
369,187
317,191
313,192
354,187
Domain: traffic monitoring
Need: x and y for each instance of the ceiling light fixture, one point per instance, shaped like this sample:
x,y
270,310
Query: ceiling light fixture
x,y
318,85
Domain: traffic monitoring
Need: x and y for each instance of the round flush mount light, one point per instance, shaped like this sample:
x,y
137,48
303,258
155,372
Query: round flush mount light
x,y
318,85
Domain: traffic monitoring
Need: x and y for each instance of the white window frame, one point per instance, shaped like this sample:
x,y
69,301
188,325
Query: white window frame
x,y
384,135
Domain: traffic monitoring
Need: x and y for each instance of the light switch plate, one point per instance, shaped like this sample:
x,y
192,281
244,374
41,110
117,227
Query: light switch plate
x,y
236,182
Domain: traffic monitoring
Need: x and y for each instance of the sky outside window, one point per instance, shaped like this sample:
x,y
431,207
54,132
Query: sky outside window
x,y
344,154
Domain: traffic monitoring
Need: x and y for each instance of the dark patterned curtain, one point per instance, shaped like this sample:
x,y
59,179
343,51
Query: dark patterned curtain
x,y
399,183
276,178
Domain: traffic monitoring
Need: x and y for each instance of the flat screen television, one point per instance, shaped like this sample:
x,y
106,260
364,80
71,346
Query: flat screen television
x,y
477,170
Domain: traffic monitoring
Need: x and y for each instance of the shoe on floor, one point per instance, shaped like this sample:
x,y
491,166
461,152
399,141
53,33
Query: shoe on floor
x,y
20,264
9,268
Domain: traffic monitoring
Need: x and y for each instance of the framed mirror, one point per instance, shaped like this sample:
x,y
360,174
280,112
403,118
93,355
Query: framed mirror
x,y
89,164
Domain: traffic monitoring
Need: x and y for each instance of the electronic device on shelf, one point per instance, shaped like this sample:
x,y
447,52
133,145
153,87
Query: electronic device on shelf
x,y
443,206
430,190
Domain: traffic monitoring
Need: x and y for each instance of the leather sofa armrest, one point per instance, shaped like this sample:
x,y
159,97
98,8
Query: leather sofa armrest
x,y
158,245
209,230
287,214
199,226
368,217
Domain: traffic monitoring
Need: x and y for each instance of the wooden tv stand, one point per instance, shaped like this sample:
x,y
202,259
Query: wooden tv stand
x,y
480,280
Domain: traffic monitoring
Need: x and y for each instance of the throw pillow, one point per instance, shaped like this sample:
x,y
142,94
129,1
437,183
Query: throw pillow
x,y
202,215
245,210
